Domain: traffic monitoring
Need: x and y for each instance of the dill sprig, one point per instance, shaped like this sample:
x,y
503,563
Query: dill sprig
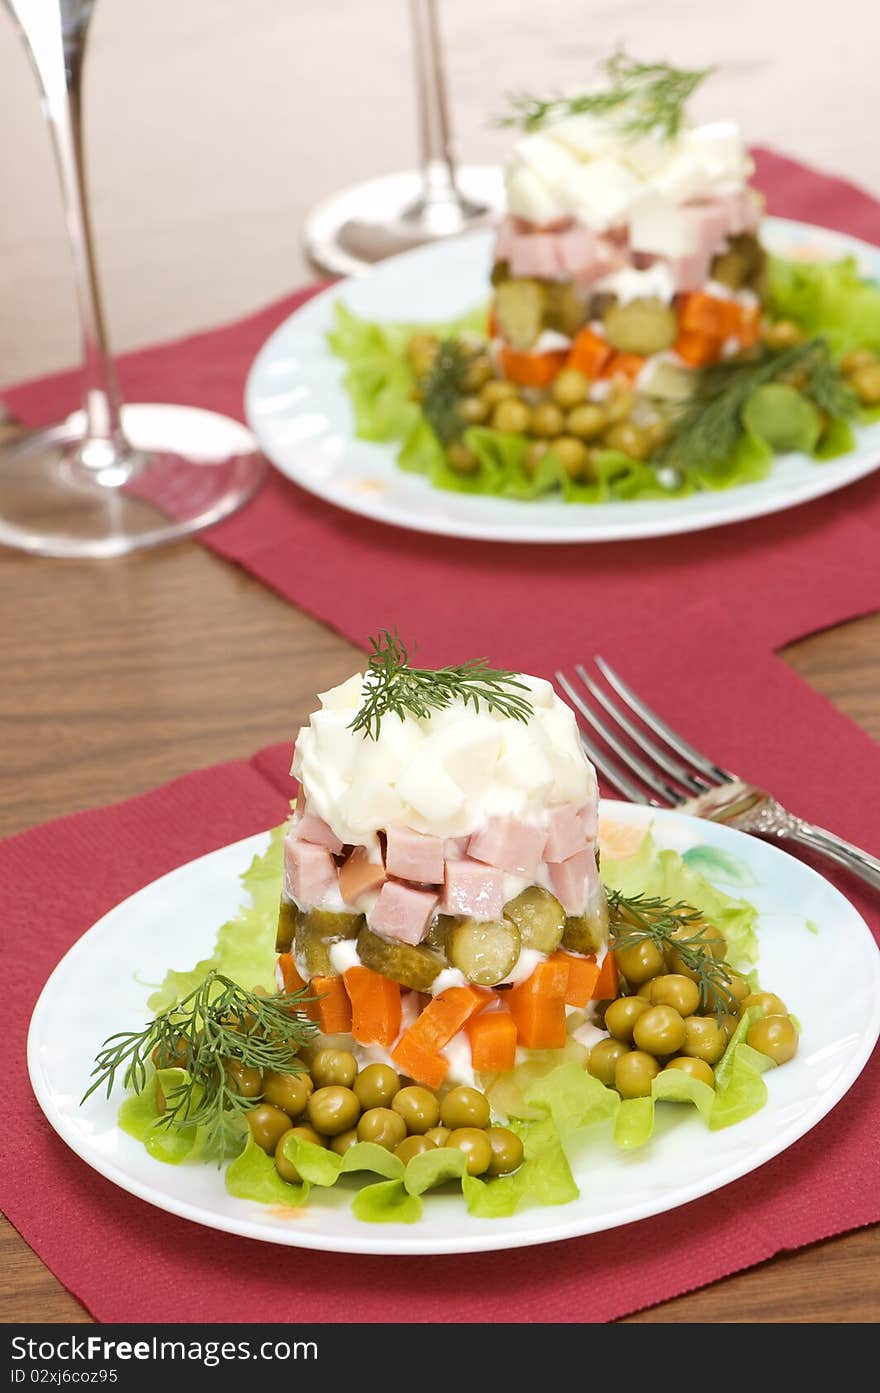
x,y
391,685
648,99
675,926
710,427
218,1024
443,386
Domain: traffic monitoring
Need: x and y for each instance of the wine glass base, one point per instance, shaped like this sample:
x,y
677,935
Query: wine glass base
x,y
353,229
186,469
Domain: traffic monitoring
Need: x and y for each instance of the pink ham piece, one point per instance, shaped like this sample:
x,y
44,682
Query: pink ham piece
x,y
690,272
414,856
589,816
474,890
402,913
565,834
358,875
308,827
455,848
574,880
709,224
309,871
509,844
537,255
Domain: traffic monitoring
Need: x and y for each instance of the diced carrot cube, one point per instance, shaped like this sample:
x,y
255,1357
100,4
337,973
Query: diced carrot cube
x,y
428,1067
624,365
332,1007
606,985
538,1006
589,353
711,315
531,369
493,1041
290,978
749,329
698,350
375,1006
583,973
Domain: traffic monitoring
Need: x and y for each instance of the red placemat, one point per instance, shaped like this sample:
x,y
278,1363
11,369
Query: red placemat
x,y
127,1261
694,621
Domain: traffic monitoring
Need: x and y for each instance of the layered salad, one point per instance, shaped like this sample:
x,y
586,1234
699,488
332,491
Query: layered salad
x,y
638,341
441,884
428,985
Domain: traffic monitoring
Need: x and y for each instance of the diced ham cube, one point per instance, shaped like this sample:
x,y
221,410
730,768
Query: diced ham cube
x,y
589,816
690,272
573,880
578,249
414,856
565,834
402,913
455,848
537,254
309,871
308,827
709,223
473,889
509,844
358,875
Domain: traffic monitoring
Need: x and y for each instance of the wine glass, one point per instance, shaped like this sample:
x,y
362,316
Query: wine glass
x,y
348,232
111,478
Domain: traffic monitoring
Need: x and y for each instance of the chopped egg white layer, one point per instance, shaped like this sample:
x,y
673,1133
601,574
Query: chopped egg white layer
x,y
445,775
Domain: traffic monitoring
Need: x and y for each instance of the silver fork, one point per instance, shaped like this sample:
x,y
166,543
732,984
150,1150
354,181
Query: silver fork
x,y
667,771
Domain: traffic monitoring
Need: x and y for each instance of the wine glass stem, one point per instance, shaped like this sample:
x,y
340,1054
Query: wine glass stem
x,y
438,163
57,48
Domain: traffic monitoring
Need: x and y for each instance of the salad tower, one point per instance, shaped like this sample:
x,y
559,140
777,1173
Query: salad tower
x,y
457,993
442,899
639,342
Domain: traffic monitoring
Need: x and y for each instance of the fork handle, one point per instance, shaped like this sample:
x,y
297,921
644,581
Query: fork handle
x,y
852,858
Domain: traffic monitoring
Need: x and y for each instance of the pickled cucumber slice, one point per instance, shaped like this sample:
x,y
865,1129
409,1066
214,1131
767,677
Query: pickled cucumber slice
x,y
587,932
564,309
486,952
519,309
284,933
643,326
539,917
412,965
438,933
316,932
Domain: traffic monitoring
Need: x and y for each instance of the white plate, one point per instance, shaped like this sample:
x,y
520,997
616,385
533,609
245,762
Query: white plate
x,y
299,410
830,979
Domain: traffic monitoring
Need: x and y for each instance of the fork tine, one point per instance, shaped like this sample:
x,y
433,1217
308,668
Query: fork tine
x,y
644,742
612,772
715,772
629,757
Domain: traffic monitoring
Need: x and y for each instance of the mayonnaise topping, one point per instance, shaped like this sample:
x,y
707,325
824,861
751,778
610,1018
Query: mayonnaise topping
x,y
446,774
587,168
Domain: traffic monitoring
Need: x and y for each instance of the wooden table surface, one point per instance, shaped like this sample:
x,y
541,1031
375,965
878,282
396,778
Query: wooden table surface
x,y
121,675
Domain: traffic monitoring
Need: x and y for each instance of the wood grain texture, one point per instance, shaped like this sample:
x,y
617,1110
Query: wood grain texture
x,y
121,675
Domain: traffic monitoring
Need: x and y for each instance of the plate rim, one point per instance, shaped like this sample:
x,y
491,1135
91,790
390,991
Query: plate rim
x,y
380,1240
830,476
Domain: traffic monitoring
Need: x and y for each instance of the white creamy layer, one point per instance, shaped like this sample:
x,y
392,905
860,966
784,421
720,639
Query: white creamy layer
x,y
445,775
586,168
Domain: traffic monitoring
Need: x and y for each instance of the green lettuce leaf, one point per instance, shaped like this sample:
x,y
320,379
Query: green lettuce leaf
x,y
651,871
740,1090
252,1176
389,1202
434,1168
783,418
634,1123
245,946
139,1117
828,298
572,1098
